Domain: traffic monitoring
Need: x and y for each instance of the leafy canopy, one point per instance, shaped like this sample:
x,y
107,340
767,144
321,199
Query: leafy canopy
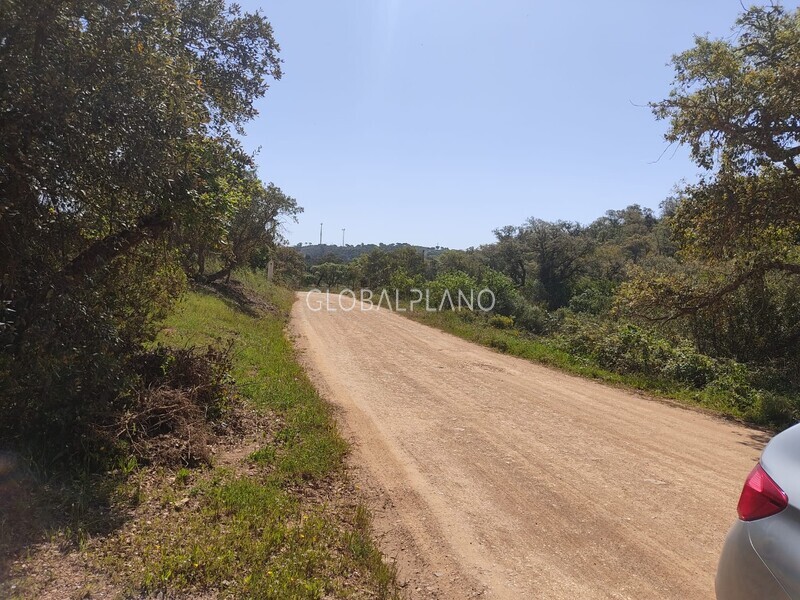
x,y
736,103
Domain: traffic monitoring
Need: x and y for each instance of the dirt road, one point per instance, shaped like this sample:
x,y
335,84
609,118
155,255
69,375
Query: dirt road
x,y
506,479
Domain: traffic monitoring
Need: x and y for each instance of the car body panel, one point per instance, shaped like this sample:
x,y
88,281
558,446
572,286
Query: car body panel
x,y
741,574
761,559
776,539
781,460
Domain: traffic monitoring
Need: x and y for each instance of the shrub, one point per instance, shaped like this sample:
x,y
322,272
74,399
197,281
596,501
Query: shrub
x,y
401,281
501,322
506,297
631,349
533,319
576,336
620,347
591,301
687,365
733,382
468,316
453,282
499,344
772,409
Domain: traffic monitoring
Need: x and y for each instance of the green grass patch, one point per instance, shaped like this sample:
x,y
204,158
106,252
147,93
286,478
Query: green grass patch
x,y
268,375
757,407
257,531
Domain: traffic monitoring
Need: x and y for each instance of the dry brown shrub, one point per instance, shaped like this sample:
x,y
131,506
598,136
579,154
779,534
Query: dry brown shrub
x,y
186,400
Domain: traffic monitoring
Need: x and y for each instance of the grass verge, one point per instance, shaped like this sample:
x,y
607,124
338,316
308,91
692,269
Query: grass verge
x,y
765,410
273,517
282,528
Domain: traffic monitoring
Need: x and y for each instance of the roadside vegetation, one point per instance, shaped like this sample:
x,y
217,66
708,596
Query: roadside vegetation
x,y
276,518
248,499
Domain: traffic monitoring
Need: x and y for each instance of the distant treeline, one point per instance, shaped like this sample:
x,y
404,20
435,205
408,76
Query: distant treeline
x,y
321,253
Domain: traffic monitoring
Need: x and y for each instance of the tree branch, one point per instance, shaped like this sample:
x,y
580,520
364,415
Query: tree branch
x,y
692,306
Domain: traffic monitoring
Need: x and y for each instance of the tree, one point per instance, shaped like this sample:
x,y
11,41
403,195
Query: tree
x,y
254,224
621,238
736,103
375,268
408,259
469,261
116,127
115,121
289,265
556,250
508,255
329,273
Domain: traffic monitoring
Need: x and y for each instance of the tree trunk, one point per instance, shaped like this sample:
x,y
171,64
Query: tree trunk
x,y
102,252
223,272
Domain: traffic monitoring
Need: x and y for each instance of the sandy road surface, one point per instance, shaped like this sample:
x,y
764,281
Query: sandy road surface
x,y
510,480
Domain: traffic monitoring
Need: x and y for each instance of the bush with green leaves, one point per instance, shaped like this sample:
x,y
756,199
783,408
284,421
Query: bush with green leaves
x,y
452,287
632,349
689,366
401,282
532,319
501,322
621,347
507,300
591,300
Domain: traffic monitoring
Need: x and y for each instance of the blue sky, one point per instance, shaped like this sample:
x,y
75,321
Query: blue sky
x,y
435,121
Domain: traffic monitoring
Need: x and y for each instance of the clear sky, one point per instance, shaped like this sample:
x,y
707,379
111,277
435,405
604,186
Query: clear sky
x,y
435,121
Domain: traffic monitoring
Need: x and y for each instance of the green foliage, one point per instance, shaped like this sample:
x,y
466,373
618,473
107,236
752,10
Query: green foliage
x,y
591,301
743,85
510,254
532,319
734,102
117,121
329,274
376,269
445,290
507,300
687,365
289,265
624,348
541,258
470,261
501,322
250,226
401,281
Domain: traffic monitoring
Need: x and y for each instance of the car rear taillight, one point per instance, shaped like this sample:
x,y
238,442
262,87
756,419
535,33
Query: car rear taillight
x,y
761,497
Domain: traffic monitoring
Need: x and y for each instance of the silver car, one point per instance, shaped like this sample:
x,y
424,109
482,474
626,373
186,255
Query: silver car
x,y
761,556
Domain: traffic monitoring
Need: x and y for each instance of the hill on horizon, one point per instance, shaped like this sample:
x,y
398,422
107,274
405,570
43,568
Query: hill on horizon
x,y
316,253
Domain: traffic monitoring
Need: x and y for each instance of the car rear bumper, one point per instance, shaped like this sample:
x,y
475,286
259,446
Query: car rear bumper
x,y
741,574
